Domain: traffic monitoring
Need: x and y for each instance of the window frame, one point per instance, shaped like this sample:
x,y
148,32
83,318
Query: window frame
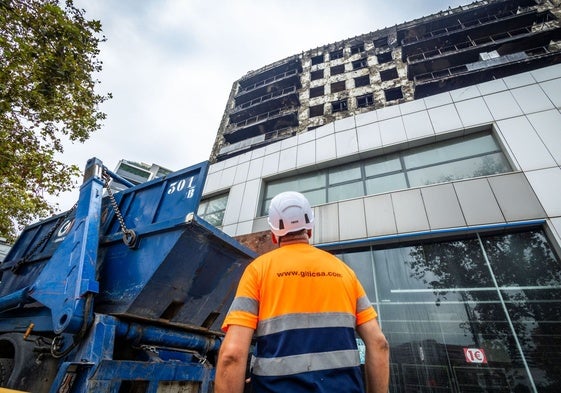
x,y
394,175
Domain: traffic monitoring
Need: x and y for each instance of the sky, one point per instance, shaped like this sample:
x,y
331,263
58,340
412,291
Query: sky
x,y
170,65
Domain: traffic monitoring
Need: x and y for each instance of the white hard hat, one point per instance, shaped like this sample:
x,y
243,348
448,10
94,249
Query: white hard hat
x,y
290,211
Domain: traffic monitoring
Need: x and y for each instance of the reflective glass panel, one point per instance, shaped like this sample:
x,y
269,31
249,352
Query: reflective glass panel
x,y
390,163
345,174
449,150
387,183
469,315
471,167
345,191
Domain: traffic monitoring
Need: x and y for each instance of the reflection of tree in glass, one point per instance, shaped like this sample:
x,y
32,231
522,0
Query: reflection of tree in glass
x,y
526,260
490,165
518,260
485,166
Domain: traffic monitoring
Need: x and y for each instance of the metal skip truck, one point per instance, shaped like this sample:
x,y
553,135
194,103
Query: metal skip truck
x,y
125,292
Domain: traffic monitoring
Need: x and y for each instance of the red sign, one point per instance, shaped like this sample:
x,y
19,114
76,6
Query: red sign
x,y
475,355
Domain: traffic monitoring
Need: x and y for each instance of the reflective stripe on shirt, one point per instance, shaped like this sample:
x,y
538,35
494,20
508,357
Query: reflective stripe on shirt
x,y
296,364
363,303
305,321
245,304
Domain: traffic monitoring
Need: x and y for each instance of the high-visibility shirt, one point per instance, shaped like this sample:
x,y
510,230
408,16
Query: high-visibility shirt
x,y
304,305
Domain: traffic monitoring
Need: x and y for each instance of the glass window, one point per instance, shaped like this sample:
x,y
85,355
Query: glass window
x,y
345,191
471,167
344,174
365,101
315,75
362,81
481,312
212,209
386,183
378,166
438,305
312,185
459,158
450,150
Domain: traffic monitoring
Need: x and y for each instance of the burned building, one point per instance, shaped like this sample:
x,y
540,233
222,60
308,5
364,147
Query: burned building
x,y
431,153
459,47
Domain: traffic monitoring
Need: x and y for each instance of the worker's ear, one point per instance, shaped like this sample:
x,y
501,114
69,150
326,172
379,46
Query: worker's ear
x,y
309,232
274,239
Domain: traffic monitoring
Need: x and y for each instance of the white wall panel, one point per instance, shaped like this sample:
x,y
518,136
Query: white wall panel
x,y
548,126
478,202
502,105
547,186
388,112
270,164
272,148
442,206
417,125
532,99
369,137
438,100
248,207
326,223
409,211
547,73
255,168
380,219
412,106
306,154
515,197
228,176
352,223
392,131
287,159
307,136
325,148
242,171
552,89
212,182
473,112
366,118
260,224
345,124
325,130
528,149
257,153
491,87
244,227
465,93
519,80
346,143
445,118
235,199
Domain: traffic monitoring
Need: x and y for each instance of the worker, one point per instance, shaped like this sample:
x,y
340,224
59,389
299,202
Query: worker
x,y
302,306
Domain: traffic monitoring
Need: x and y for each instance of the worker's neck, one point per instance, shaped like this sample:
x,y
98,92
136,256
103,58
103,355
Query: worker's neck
x,y
298,239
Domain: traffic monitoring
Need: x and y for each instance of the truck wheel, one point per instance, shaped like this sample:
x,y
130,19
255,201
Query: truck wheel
x,y
20,366
6,367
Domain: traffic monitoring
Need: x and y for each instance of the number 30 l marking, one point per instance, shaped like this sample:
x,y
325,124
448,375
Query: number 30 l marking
x,y
180,185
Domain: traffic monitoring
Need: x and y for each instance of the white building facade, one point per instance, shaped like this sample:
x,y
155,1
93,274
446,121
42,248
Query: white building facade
x,y
448,208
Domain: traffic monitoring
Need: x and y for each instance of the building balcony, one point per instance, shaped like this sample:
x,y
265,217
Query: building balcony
x,y
263,123
465,52
268,102
261,85
484,70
